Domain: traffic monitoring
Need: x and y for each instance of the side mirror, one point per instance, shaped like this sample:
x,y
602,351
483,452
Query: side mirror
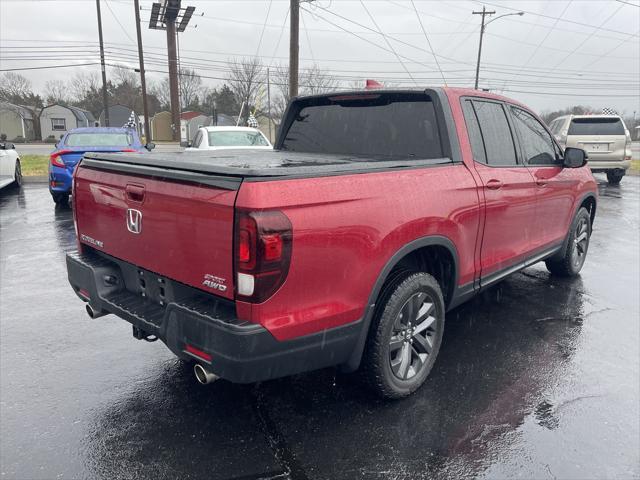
x,y
185,144
575,157
150,146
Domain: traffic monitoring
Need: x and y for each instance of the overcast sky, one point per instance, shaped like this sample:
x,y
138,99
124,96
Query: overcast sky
x,y
559,53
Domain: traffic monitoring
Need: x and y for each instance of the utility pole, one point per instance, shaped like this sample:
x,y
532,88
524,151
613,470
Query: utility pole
x,y
294,46
269,104
484,13
173,77
143,82
102,66
165,16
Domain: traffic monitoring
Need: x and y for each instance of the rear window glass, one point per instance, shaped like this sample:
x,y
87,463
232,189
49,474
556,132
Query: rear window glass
x,y
378,126
596,126
99,140
237,139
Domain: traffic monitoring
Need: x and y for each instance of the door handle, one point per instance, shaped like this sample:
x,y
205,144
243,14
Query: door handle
x,y
541,182
135,193
494,184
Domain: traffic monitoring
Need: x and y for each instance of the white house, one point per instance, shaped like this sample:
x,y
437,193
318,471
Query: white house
x,y
56,120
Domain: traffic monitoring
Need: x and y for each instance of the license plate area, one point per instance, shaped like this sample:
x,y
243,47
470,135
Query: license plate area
x,y
597,147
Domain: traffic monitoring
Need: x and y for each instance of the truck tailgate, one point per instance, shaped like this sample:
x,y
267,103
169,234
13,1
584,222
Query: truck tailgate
x,y
180,230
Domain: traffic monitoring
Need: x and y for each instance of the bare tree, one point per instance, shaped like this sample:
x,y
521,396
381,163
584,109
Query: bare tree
x,y
161,91
83,82
245,79
313,81
125,76
14,87
56,91
190,89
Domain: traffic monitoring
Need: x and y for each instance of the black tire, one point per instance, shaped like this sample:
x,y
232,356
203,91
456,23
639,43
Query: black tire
x,y
17,175
614,178
572,258
60,198
394,371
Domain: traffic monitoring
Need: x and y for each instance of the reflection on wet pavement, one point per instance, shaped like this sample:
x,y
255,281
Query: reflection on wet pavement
x,y
537,378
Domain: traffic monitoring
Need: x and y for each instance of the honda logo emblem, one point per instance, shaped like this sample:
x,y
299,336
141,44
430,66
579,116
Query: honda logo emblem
x,y
134,220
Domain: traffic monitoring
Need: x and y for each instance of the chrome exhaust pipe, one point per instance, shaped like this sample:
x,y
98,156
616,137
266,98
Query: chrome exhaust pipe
x,y
93,313
203,375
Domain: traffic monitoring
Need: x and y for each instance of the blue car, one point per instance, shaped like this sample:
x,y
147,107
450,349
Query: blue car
x,y
75,143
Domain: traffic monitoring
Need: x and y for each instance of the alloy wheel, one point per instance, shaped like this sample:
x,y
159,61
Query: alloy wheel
x,y
413,336
580,242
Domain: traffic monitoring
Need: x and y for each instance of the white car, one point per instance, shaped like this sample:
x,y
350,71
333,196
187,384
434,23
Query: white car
x,y
10,172
224,138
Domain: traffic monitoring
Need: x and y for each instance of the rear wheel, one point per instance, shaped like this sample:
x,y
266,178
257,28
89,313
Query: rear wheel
x,y
575,254
60,198
405,335
614,177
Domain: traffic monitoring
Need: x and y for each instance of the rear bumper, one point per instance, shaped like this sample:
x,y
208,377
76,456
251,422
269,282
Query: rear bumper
x,y
240,351
604,165
60,180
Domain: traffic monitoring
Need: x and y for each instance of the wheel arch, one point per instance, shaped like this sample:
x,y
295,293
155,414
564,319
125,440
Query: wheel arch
x,y
409,254
590,203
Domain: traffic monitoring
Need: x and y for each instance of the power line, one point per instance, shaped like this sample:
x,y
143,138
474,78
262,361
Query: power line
x,y
629,3
554,18
387,41
306,33
118,21
544,39
586,39
605,54
263,27
48,66
428,42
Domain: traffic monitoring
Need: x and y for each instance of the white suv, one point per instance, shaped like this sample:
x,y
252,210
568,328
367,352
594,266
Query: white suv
x,y
605,138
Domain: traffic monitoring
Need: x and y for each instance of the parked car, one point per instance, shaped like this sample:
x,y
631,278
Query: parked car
x,y
605,138
224,138
10,168
376,213
75,143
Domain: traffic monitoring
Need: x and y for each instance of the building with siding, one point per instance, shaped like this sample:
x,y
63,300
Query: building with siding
x,y
16,121
56,120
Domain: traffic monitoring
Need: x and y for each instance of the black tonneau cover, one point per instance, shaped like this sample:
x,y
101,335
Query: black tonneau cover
x,y
254,164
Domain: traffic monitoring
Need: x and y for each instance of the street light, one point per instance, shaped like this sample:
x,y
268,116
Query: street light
x,y
484,13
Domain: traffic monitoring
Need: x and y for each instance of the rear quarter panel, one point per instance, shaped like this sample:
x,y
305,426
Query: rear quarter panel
x,y
345,230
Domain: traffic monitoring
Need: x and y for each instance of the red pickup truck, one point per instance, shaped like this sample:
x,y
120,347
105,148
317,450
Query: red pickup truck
x,y
376,213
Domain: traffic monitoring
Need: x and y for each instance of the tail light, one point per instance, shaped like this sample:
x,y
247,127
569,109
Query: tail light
x,y
262,253
55,159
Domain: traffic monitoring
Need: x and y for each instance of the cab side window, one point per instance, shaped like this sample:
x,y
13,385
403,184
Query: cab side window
x,y
473,131
537,145
496,134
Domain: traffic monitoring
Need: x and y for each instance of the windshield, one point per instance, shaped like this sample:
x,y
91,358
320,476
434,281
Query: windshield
x,y
596,126
237,139
115,139
391,126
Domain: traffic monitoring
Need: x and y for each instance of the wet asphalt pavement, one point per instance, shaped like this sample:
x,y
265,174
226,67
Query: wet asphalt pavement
x,y
538,378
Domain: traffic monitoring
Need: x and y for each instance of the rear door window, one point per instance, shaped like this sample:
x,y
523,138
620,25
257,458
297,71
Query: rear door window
x,y
377,126
496,133
596,126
